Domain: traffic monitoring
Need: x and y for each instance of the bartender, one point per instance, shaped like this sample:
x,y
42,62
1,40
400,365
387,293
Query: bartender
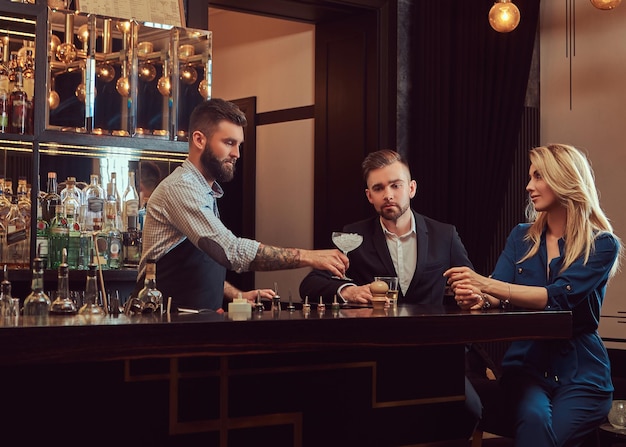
x,y
184,234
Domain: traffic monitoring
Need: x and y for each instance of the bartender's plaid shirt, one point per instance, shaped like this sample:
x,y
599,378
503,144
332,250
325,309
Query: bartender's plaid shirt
x,y
183,206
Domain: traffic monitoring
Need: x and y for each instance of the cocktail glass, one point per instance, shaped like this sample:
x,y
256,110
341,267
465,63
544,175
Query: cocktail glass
x,y
346,242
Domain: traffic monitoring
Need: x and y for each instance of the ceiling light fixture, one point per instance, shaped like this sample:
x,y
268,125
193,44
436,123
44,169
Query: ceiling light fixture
x,y
606,4
504,16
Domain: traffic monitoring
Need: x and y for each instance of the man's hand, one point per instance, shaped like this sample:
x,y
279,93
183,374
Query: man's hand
x,y
357,294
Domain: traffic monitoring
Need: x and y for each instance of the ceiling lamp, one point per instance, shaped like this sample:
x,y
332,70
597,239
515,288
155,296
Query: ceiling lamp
x,y
504,16
606,4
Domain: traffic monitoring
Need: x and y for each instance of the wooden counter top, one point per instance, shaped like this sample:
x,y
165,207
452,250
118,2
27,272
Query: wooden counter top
x,y
59,339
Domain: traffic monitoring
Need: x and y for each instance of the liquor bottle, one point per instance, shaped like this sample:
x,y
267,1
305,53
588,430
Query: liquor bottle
x,y
41,247
63,304
94,199
5,203
4,109
58,238
51,199
4,68
18,103
28,72
18,241
102,244
71,190
23,200
150,297
6,300
131,247
37,302
8,189
130,204
73,244
114,243
12,65
91,307
113,205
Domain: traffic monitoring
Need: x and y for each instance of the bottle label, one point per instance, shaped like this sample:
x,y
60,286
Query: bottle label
x,y
114,250
16,236
42,248
95,204
4,121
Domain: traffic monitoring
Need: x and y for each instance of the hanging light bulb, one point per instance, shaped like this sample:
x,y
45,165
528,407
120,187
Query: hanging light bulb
x,y
53,97
123,86
83,35
188,75
146,72
164,85
504,16
606,4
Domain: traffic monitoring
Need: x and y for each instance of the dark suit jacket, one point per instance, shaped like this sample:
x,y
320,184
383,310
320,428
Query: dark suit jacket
x,y
438,248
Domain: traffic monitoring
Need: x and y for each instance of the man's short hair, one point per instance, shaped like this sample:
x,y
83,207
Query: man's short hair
x,y
380,159
208,114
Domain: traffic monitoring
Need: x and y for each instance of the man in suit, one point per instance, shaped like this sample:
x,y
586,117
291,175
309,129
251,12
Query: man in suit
x,y
397,242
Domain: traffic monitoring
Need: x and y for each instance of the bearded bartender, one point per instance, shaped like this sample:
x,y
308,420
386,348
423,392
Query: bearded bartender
x,y
184,234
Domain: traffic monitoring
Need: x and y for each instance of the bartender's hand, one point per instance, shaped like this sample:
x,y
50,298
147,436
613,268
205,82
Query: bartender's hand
x,y
357,294
251,295
332,260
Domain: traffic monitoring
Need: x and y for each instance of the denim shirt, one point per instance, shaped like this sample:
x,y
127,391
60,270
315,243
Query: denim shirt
x,y
582,359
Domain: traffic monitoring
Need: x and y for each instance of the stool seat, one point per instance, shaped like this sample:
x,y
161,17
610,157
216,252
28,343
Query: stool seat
x,y
611,436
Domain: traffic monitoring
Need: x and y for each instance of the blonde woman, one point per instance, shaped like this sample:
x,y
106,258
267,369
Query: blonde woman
x,y
561,390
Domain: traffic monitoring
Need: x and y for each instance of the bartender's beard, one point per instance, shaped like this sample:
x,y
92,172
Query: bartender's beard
x,y
220,170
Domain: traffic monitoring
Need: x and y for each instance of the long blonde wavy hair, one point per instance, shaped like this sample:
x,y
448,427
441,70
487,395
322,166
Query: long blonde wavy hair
x,y
567,171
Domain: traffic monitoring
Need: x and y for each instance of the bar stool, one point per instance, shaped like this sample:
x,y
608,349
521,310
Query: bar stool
x,y
610,436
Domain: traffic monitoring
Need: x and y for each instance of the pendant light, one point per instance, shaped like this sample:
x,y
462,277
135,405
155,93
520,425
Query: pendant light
x,y
606,4
504,16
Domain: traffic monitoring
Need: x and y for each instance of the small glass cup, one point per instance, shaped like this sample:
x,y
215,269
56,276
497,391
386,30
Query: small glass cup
x,y
392,293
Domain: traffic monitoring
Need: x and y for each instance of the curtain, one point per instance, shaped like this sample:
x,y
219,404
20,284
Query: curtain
x,y
467,90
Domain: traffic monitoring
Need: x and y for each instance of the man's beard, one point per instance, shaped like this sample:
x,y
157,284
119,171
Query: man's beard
x,y
217,169
394,213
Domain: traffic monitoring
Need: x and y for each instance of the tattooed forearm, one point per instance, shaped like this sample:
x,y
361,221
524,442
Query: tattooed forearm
x,y
270,258
230,291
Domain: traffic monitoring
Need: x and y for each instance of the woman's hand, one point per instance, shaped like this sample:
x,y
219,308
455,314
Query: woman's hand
x,y
467,286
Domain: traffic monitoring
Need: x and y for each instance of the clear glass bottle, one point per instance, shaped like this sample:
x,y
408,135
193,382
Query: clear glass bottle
x,y
73,244
51,198
130,204
5,203
71,198
58,238
6,300
91,307
113,205
114,243
18,241
23,199
63,304
102,244
4,109
150,296
41,247
18,103
94,199
37,302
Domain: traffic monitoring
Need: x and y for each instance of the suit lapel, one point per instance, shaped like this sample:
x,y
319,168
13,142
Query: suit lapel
x,y
422,249
380,245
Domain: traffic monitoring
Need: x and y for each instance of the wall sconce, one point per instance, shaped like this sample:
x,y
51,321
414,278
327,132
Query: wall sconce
x,y
504,16
606,4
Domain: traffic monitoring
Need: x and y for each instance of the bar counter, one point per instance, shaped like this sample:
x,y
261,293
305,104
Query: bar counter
x,y
56,339
286,379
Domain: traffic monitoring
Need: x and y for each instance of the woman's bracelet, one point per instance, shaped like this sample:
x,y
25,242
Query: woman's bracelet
x,y
486,302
